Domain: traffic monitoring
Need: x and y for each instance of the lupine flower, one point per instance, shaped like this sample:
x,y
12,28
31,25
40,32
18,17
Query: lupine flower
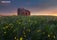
x,y
38,30
54,36
48,35
15,38
21,38
4,32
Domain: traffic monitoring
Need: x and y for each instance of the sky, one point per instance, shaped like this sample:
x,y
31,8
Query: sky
x,y
36,7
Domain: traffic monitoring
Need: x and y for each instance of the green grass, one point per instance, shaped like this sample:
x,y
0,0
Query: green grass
x,y
28,28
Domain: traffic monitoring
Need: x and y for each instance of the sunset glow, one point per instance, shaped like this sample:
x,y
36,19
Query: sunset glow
x,y
44,14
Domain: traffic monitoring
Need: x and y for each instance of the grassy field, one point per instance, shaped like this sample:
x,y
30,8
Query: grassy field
x,y
28,28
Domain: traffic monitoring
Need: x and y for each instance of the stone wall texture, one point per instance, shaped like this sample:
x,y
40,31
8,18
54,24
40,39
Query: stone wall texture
x,y
22,11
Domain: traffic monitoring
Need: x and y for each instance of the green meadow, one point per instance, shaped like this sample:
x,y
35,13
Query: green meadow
x,y
28,28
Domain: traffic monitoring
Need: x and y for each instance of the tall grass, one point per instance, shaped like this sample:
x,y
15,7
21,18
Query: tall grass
x,y
28,28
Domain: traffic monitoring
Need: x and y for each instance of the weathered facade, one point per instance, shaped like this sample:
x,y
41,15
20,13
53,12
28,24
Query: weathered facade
x,y
22,11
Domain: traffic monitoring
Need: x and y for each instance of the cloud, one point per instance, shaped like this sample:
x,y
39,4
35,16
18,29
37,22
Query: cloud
x,y
5,1
43,4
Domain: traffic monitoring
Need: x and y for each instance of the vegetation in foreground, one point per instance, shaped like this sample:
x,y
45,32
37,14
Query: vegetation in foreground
x,y
28,28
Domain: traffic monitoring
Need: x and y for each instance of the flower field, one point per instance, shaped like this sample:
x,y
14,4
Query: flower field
x,y
28,28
